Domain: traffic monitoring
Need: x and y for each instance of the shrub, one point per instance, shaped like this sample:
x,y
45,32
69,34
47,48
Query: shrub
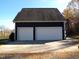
x,y
11,37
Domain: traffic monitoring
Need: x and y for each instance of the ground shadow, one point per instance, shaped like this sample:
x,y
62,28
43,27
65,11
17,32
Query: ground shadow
x,y
8,42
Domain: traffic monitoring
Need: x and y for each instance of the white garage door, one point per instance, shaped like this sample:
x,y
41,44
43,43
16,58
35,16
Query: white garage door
x,y
48,33
25,33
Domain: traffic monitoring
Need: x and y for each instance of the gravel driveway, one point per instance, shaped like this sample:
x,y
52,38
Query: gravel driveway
x,y
37,48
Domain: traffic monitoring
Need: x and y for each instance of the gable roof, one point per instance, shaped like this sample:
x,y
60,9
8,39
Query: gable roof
x,y
39,14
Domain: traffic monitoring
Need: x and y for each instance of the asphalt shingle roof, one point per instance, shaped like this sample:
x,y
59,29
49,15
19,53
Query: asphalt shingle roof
x,y
39,14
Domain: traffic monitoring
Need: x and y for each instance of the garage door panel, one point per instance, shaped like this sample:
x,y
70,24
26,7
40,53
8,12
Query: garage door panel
x,y
25,33
48,33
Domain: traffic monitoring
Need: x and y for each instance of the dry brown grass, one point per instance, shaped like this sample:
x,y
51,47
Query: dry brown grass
x,y
4,35
45,55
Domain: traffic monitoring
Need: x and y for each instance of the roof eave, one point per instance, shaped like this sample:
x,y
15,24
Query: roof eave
x,y
38,21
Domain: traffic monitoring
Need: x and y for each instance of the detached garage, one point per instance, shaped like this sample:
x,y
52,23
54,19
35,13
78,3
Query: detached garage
x,y
39,24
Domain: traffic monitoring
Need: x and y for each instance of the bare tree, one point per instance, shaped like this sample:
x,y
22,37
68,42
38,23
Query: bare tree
x,y
72,14
74,5
1,31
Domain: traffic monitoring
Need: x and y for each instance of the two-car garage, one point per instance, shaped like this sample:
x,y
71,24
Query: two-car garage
x,y
39,24
40,33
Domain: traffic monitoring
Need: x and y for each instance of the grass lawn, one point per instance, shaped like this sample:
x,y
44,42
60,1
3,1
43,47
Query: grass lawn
x,y
3,41
75,36
45,55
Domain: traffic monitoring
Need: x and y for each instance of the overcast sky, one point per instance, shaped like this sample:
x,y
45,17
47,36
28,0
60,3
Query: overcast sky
x,y
9,8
